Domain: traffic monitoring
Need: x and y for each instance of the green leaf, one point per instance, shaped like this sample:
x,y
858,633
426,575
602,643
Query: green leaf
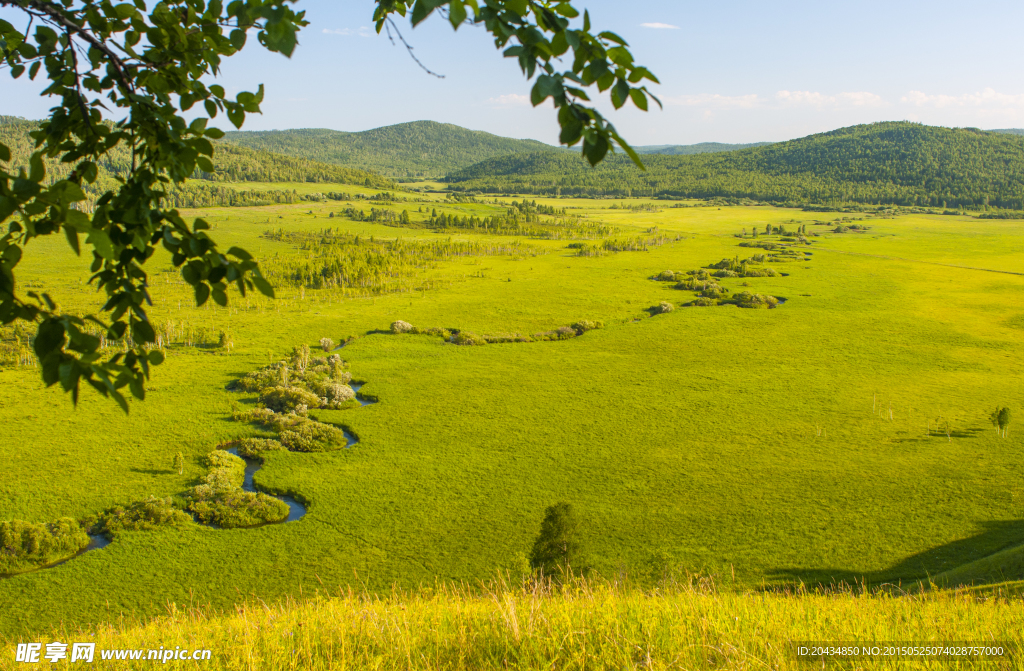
x,y
456,14
202,294
215,133
37,170
156,357
240,253
219,297
263,286
100,241
566,10
205,164
5,153
639,99
72,235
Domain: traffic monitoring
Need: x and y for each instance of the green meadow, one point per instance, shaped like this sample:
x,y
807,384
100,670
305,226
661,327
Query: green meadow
x,y
842,437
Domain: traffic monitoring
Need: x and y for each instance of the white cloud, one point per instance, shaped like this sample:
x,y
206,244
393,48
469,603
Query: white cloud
x,y
716,101
362,32
781,100
660,26
509,100
988,98
821,100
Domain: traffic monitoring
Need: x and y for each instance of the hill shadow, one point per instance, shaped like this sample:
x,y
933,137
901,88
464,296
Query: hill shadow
x,y
993,537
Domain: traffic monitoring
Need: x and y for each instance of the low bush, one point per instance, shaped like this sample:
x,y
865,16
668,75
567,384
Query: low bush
x,y
151,513
312,436
666,276
467,338
703,301
25,546
725,273
714,291
664,307
287,399
760,272
401,327
745,299
237,508
254,447
584,325
326,344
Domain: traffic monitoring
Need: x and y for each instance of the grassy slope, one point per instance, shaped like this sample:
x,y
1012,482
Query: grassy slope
x,y
593,626
418,148
662,432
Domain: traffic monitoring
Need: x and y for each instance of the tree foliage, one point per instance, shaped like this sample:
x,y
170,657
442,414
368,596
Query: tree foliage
x,y
898,163
126,75
558,548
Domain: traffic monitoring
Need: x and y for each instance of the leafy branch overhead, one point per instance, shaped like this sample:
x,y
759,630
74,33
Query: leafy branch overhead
x,y
541,38
125,76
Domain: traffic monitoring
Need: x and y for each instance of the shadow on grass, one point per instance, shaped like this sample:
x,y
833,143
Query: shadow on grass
x,y
993,537
153,471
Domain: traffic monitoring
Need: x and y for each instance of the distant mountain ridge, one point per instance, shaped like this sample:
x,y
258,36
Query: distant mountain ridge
x,y
1008,131
417,149
898,163
699,148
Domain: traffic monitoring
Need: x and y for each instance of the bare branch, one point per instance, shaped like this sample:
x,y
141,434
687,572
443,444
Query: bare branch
x,y
391,24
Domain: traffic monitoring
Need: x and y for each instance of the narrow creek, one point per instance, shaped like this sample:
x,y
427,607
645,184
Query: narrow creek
x,y
296,509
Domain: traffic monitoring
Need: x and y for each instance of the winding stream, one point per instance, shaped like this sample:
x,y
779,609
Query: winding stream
x,y
296,509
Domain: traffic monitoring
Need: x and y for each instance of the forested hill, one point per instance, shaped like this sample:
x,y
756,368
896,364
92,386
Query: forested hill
x,y
700,148
898,163
233,164
407,150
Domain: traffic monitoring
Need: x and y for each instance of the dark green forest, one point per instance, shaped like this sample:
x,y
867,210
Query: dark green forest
x,y
418,149
700,148
898,163
233,164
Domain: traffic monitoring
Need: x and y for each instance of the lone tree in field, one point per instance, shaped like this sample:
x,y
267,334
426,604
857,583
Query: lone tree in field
x,y
558,548
1000,419
179,463
125,76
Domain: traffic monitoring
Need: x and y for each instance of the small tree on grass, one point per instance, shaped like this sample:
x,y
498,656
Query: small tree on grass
x,y
179,463
558,547
1000,419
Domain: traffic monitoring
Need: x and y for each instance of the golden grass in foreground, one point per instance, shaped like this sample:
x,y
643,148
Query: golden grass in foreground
x,y
585,626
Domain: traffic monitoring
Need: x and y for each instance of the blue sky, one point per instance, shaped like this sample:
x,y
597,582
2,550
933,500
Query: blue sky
x,y
731,71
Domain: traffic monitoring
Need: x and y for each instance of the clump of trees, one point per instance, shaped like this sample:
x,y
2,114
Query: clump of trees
x,y
1000,419
746,299
145,515
221,501
25,546
456,337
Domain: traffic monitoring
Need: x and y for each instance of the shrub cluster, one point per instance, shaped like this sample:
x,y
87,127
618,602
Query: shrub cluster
x,y
221,501
255,447
745,299
25,546
402,327
151,513
663,308
467,338
312,436
303,382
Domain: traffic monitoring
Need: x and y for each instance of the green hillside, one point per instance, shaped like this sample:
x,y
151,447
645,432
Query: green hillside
x,y
408,150
699,148
233,164
1008,131
897,163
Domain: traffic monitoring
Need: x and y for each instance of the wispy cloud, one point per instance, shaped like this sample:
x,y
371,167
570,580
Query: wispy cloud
x,y
660,26
821,100
363,31
716,101
987,98
509,100
781,100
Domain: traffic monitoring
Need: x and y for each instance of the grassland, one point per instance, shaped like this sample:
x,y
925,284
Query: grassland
x,y
720,441
588,626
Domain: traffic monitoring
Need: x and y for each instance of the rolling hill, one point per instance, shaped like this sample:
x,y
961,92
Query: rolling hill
x,y
408,150
898,163
700,148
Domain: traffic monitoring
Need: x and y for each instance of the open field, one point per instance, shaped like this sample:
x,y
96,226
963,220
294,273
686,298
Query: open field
x,y
753,445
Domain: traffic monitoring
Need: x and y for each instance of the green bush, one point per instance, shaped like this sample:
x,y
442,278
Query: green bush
x,y
151,513
254,447
703,302
311,436
584,325
25,546
236,508
663,308
288,399
666,276
402,327
745,299
759,272
467,338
